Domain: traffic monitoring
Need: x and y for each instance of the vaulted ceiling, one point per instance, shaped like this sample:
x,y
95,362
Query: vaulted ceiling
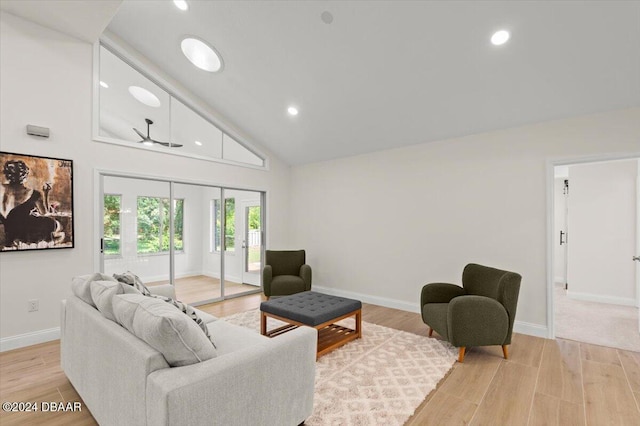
x,y
390,74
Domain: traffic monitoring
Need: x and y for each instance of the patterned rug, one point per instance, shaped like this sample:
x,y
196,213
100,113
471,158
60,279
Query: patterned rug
x,y
379,379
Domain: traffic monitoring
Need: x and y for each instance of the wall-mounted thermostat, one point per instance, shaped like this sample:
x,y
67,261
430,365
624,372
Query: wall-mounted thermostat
x,y
32,130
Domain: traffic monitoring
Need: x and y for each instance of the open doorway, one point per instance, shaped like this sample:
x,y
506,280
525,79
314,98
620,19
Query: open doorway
x,y
595,286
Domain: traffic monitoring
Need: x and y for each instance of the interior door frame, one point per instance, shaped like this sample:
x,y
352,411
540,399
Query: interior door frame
x,y
98,189
551,164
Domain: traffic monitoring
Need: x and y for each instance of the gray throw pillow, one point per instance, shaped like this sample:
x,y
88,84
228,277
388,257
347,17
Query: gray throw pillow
x,y
189,311
135,281
102,293
81,285
163,327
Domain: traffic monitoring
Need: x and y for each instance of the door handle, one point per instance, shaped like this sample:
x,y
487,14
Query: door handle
x,y
561,240
636,258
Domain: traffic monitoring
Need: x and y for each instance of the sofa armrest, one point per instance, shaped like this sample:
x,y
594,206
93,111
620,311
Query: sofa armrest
x,y
477,321
440,293
166,290
305,274
267,276
271,383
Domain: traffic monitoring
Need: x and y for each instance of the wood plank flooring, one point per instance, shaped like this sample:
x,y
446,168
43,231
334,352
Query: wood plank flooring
x,y
195,288
545,382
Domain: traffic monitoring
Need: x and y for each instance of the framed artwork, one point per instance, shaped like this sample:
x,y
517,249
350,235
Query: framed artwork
x,y
36,202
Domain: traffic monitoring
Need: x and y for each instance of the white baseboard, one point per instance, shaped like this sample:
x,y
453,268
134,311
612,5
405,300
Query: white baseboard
x,y
531,329
374,300
521,327
28,339
612,300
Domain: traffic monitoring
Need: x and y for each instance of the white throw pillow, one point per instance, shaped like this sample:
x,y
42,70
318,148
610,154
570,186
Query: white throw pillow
x,y
102,293
163,327
81,285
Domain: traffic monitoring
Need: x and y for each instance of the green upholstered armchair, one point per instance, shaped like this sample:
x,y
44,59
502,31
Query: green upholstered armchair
x,y
285,272
480,313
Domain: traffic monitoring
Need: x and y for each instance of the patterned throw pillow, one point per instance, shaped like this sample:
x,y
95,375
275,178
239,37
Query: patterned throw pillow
x,y
135,281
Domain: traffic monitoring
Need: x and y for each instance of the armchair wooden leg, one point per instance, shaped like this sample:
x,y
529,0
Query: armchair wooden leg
x,y
461,354
430,331
505,351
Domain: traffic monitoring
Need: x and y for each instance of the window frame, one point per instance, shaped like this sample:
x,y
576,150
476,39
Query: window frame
x,y
186,98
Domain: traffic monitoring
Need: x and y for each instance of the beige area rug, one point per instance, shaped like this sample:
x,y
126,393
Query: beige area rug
x,y
596,323
379,379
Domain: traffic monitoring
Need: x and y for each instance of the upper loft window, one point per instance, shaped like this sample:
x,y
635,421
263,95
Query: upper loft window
x,y
134,110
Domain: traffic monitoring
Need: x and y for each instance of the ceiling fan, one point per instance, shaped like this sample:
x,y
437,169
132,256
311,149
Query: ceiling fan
x,y
147,139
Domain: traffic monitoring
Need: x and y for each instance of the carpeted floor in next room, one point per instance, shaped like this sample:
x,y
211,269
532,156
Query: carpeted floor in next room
x,y
602,324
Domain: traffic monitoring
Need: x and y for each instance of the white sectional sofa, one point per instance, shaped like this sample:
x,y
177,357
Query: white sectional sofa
x,y
252,380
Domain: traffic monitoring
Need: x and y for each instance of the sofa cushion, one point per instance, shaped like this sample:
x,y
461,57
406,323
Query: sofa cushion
x,y
231,338
102,293
81,285
163,327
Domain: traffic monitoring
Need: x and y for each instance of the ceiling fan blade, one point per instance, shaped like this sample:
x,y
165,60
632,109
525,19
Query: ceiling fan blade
x,y
167,144
140,134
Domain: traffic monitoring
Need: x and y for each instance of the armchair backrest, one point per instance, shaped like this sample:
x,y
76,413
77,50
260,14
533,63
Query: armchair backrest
x,y
285,262
503,286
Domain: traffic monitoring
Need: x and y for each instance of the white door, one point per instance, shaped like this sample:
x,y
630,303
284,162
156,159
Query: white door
x,y
602,219
251,242
636,258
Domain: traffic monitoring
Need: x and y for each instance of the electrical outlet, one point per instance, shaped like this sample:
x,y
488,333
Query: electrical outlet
x,y
33,305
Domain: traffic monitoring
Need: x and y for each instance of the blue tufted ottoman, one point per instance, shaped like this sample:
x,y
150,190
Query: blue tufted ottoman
x,y
316,310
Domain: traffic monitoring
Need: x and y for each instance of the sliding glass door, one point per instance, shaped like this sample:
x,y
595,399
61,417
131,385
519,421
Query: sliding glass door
x,y
207,241
136,228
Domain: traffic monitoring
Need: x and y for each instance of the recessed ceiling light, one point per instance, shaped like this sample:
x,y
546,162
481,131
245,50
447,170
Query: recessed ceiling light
x,y
201,54
144,96
181,4
147,143
103,84
198,143
326,17
292,110
500,37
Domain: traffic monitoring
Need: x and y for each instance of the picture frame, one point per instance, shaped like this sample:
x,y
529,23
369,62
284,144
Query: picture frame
x,y
36,203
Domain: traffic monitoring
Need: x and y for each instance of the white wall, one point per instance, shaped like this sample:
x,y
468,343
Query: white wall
x,y
386,223
559,224
46,80
602,221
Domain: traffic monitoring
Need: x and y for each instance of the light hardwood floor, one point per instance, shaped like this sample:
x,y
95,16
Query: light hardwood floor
x,y
545,382
201,287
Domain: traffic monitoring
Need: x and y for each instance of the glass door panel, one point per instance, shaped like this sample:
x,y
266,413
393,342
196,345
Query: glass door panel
x,y
197,266
136,228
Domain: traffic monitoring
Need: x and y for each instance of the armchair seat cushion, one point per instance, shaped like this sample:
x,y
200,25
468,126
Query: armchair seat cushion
x,y
285,285
285,272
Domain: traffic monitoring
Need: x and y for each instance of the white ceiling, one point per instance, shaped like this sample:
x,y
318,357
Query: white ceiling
x,y
83,19
390,74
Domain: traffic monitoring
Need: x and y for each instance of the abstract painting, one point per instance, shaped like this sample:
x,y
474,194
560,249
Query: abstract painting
x,y
36,202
